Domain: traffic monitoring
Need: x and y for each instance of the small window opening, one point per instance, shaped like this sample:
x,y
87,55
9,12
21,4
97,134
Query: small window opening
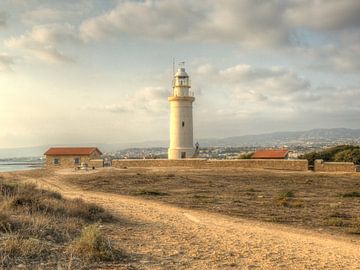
x,y
183,123
77,161
56,161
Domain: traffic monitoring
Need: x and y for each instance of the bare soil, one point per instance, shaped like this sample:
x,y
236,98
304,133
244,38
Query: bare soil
x,y
307,200
214,219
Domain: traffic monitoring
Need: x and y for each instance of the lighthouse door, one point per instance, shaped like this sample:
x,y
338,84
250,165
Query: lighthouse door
x,y
183,154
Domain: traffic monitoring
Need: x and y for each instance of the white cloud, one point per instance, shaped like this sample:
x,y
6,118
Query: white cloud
x,y
6,61
151,100
44,42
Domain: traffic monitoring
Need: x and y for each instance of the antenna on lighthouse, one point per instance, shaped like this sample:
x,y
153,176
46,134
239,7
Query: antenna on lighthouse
x,y
173,66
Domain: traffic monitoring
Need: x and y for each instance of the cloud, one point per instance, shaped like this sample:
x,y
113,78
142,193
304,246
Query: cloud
x,y
252,99
250,92
273,79
3,19
192,20
257,23
151,100
41,15
44,41
324,15
6,61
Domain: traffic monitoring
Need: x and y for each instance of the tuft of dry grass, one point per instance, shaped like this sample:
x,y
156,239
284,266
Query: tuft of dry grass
x,y
92,245
335,221
284,197
355,226
16,247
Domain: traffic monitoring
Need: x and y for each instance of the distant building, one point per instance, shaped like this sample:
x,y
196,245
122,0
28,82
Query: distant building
x,y
71,157
271,154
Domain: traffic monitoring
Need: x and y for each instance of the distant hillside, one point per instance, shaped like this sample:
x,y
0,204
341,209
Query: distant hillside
x,y
315,136
334,135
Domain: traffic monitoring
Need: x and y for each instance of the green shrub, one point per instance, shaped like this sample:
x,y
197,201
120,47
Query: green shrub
x,y
341,153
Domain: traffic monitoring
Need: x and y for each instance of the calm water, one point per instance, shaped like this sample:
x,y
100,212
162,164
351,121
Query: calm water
x,y
9,166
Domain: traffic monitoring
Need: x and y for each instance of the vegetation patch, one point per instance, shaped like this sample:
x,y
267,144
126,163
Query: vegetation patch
x,y
284,197
151,192
355,228
341,153
335,221
351,194
38,226
92,245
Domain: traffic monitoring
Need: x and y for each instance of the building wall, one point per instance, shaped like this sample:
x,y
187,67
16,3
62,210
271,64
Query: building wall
x,y
291,165
97,163
181,135
69,161
321,166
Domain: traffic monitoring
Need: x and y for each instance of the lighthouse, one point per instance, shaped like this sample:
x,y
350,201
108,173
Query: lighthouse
x,y
181,118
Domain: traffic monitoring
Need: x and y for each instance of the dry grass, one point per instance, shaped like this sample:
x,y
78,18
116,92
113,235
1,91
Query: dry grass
x,y
299,199
37,226
92,245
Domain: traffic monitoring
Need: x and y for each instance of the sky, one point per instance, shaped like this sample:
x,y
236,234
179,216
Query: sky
x,y
91,71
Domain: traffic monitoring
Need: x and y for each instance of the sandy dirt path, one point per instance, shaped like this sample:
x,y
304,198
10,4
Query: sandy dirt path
x,y
159,236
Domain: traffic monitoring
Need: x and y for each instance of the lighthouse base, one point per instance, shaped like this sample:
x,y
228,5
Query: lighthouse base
x,y
180,153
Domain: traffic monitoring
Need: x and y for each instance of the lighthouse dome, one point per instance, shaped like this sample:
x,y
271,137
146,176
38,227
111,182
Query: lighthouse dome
x,y
181,73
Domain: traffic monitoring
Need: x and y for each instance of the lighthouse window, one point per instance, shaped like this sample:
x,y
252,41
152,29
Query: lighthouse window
x,y
183,123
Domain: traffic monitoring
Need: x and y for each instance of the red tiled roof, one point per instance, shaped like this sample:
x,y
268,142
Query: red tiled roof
x,y
270,154
64,151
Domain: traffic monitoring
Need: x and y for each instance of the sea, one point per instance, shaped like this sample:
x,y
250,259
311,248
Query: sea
x,y
10,166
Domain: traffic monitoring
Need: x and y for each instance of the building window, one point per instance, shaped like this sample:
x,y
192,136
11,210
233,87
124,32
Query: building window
x,y
183,154
77,161
183,123
56,161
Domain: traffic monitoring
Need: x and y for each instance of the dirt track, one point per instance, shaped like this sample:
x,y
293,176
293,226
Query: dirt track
x,y
159,236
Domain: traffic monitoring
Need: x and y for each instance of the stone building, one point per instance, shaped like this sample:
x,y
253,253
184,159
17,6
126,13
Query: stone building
x,y
72,157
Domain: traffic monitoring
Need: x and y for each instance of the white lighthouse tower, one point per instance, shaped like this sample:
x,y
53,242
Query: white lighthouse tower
x,y
181,119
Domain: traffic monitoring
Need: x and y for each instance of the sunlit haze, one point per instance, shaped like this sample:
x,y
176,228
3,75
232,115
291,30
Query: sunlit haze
x,y
79,72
